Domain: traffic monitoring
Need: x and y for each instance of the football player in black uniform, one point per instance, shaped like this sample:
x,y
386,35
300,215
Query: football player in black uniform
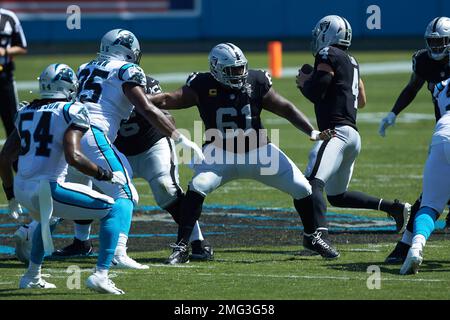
x,y
230,99
430,65
151,156
337,91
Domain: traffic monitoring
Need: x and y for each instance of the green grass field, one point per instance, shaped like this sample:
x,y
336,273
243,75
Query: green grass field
x,y
388,167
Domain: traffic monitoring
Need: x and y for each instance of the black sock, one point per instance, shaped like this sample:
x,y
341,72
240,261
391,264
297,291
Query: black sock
x,y
175,209
83,222
191,209
304,208
356,199
415,207
319,204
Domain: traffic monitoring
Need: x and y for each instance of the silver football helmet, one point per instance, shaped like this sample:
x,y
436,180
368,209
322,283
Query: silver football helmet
x,y
331,30
120,44
228,65
437,38
58,81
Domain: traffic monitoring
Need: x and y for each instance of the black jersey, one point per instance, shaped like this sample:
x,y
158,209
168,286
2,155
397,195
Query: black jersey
x,y
224,108
431,71
137,135
340,103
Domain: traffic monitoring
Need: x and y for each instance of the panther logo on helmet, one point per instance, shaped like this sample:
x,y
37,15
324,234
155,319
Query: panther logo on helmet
x,y
125,39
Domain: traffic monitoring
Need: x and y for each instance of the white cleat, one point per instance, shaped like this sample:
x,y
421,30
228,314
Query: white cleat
x,y
102,285
35,283
125,262
23,239
413,261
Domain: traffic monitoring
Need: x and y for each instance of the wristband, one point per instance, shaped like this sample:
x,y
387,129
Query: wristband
x,y
103,174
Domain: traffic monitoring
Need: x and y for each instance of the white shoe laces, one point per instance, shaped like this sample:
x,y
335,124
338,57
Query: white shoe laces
x,y
318,239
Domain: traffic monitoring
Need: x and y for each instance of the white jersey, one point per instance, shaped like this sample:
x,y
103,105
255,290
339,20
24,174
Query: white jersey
x,y
442,129
101,91
41,128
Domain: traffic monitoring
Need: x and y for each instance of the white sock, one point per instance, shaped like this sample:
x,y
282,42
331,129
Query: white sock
x,y
196,233
418,241
121,248
407,237
34,270
82,231
101,272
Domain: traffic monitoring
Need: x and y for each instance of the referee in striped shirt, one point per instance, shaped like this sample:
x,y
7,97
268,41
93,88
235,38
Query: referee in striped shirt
x,y
12,43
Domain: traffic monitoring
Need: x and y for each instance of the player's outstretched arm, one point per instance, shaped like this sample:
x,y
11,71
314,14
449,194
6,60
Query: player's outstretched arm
x,y
181,98
282,107
404,99
75,158
156,117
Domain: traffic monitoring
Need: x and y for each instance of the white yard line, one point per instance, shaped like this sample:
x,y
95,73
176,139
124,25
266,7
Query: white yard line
x,y
179,77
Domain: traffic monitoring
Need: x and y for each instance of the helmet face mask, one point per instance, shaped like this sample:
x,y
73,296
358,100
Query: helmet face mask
x,y
437,38
228,65
122,45
331,30
58,81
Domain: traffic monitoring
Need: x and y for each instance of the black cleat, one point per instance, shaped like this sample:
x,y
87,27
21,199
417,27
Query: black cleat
x,y
398,255
202,251
180,254
400,212
76,248
316,243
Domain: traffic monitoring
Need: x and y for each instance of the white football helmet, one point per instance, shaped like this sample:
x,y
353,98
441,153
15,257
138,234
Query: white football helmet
x,y
58,81
331,30
228,65
120,44
437,38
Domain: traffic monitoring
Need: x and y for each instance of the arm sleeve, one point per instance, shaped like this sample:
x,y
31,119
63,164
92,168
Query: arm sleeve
x,y
316,87
132,73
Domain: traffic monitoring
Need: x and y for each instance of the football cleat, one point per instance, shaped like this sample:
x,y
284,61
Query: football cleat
x,y
23,239
35,283
400,212
76,248
317,244
201,251
412,261
123,261
102,284
180,254
398,255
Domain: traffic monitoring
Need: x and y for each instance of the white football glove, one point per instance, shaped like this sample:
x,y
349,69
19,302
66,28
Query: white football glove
x,y
185,142
387,121
119,178
15,209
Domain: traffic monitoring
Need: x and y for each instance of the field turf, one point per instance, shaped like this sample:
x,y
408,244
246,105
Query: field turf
x,y
269,266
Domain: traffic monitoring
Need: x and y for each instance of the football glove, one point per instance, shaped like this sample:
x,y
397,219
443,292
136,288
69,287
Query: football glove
x,y
386,122
119,178
185,142
15,209
324,135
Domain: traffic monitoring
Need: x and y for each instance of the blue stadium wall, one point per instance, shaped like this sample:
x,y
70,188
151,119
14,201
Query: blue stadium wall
x,y
212,19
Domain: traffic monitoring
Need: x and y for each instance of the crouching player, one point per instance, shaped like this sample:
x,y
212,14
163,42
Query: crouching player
x,y
436,186
47,140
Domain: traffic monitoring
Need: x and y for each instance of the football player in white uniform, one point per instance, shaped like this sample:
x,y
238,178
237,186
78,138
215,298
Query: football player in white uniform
x,y
47,139
152,157
111,86
436,186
